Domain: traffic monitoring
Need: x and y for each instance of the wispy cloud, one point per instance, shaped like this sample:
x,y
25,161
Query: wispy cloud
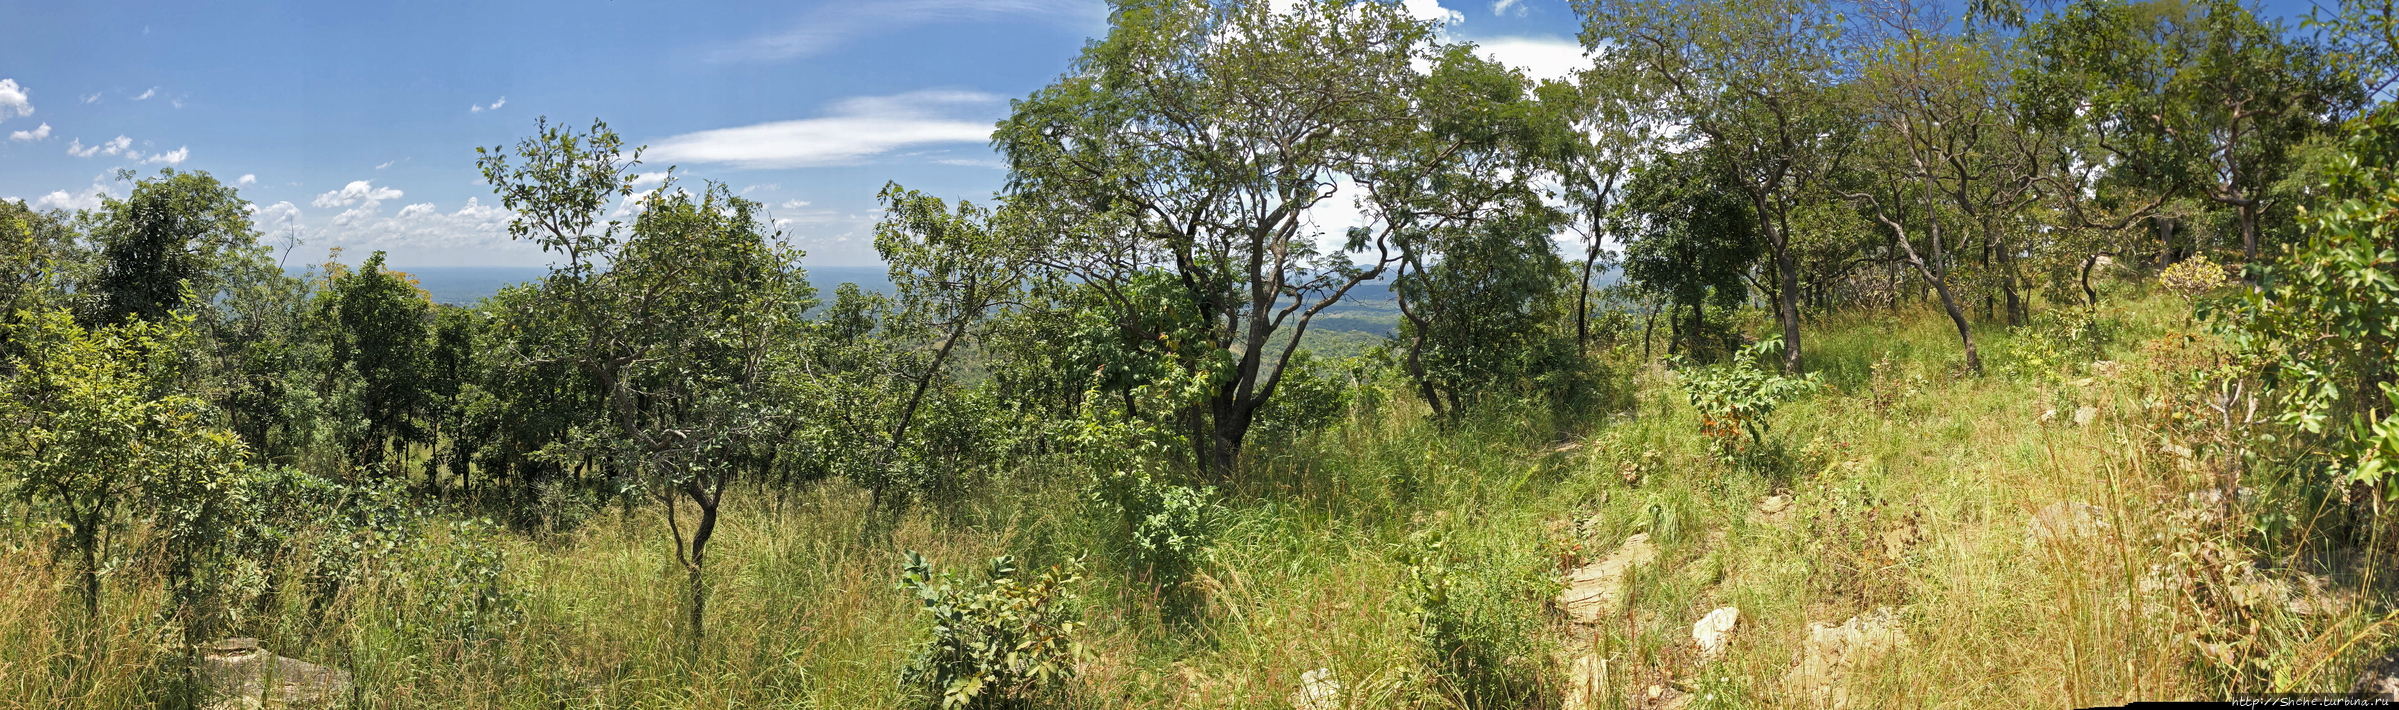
x,y
93,97
147,94
841,23
386,164
1503,6
14,100
32,135
853,131
87,199
495,106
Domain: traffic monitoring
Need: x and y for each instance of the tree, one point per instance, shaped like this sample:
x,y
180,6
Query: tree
x,y
1756,81
1590,143
673,318
178,233
1690,237
385,324
1192,140
97,434
39,257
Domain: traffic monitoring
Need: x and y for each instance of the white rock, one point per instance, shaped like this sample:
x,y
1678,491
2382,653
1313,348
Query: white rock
x,y
1712,631
1317,691
1596,591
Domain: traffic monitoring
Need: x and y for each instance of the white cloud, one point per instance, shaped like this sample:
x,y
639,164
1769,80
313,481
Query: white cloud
x,y
1432,11
147,94
248,180
114,146
495,106
769,187
279,221
839,23
422,233
856,129
1503,6
94,97
386,164
795,204
173,157
1539,57
14,100
356,191
32,135
87,199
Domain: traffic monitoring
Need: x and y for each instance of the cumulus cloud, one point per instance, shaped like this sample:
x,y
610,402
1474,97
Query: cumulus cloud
x,y
248,180
113,146
86,199
32,135
495,106
1539,57
173,157
422,233
416,210
14,100
1432,11
280,221
855,129
147,94
838,24
356,191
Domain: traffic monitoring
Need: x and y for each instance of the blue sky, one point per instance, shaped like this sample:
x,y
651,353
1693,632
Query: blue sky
x,y
354,124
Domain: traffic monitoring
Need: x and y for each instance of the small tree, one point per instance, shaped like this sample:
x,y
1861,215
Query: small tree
x,y
385,324
96,434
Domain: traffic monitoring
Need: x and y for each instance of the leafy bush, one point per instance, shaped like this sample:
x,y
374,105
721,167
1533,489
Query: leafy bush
x,y
1736,398
2323,323
1006,642
1474,626
1313,394
2056,341
1168,527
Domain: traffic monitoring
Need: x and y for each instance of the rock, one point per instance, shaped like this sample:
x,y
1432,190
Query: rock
x,y
2084,415
244,675
1596,591
1774,504
1713,632
1586,683
2379,680
2065,521
1832,654
1317,691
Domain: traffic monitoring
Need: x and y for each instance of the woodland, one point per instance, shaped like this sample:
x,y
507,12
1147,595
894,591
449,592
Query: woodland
x,y
1976,355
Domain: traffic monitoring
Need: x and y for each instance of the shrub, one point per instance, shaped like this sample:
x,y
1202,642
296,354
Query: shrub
x,y
1006,642
1474,626
1168,527
1736,398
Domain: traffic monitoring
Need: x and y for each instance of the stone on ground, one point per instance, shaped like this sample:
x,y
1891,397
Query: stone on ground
x,y
244,675
1832,654
1713,632
1596,591
1317,691
1586,683
2065,521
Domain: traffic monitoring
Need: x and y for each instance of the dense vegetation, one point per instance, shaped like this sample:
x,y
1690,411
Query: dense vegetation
x,y
2055,353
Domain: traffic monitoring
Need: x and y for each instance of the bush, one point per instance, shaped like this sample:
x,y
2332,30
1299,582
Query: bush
x,y
1168,527
1474,626
1004,643
1736,398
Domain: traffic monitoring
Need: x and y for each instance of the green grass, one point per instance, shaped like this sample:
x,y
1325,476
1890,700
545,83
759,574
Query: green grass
x,y
1310,570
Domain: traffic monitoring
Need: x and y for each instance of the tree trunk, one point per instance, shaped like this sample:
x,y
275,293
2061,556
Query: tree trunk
x,y
2089,296
1787,299
2249,230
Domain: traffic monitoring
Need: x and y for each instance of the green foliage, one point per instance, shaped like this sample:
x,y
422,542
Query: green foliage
x,y
1315,394
2057,343
385,324
1738,397
1690,237
1473,627
176,237
2324,321
1004,642
97,437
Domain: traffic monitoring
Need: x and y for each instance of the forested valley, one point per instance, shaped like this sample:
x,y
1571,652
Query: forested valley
x,y
1980,355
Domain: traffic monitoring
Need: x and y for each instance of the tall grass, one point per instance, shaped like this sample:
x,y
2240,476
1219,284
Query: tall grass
x,y
1912,483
